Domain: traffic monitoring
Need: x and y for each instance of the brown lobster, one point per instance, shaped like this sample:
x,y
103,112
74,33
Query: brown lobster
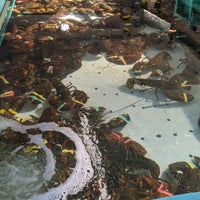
x,y
170,88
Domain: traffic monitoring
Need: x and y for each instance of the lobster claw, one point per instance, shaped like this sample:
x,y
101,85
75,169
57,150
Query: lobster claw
x,y
187,97
130,83
119,121
196,161
175,95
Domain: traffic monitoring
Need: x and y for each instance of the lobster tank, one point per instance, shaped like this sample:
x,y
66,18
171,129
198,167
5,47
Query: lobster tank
x,y
166,128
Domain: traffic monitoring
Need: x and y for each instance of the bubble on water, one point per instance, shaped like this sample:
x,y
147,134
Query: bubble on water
x,y
50,161
82,172
20,176
95,156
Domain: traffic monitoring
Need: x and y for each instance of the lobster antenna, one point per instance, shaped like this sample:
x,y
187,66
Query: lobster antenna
x,y
123,108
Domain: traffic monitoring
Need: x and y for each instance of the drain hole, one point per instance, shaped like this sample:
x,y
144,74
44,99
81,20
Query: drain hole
x,y
158,135
104,94
175,134
116,94
190,155
142,138
96,88
191,131
99,72
168,119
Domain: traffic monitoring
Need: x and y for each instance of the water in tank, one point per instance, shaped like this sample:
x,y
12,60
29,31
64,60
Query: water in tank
x,y
188,11
99,100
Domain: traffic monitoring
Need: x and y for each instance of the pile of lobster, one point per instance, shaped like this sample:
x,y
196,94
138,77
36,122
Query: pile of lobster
x,y
40,91
174,87
129,173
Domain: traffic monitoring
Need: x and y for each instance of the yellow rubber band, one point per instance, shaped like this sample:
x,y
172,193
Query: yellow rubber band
x,y
29,120
68,151
39,95
122,59
31,149
4,80
2,111
12,111
184,84
192,166
7,93
91,2
50,38
23,120
126,29
185,97
45,141
18,119
79,102
110,14
126,16
113,57
159,72
128,24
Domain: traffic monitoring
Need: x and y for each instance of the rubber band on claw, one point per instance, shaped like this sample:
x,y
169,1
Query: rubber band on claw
x,y
162,191
39,96
50,70
7,94
79,102
184,84
126,119
121,58
61,106
160,72
5,81
185,97
36,99
68,151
